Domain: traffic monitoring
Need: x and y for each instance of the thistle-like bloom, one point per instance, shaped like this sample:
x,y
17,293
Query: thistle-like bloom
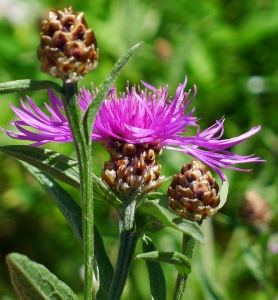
x,y
194,194
138,117
68,48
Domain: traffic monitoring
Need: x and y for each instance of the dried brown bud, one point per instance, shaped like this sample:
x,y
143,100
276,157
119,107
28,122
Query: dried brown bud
x,y
255,210
193,194
132,168
68,48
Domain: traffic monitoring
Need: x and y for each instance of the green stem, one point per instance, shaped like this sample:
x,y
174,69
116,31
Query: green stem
x,y
265,263
188,247
128,241
83,152
26,85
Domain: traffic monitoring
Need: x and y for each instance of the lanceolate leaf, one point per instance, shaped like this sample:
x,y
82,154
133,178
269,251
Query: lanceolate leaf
x,y
104,266
33,281
181,262
94,107
27,85
223,193
152,217
73,214
52,163
255,264
69,208
60,167
156,275
211,287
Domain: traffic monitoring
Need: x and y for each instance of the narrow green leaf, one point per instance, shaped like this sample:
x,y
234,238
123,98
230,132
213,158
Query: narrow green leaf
x,y
104,266
223,193
152,217
52,163
194,229
156,274
73,214
27,85
60,167
255,264
211,288
181,262
33,281
155,196
69,208
94,107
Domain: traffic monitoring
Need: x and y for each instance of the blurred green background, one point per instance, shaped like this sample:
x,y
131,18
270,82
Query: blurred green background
x,y
229,49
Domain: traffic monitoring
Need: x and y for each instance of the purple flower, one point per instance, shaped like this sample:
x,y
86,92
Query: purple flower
x,y
136,117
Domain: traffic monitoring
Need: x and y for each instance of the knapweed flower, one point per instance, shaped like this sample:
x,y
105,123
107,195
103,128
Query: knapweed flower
x,y
146,117
193,193
68,48
132,169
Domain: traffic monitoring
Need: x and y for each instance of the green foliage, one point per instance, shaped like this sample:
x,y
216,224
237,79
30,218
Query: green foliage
x,y
220,46
28,85
73,214
152,217
223,193
177,259
33,281
69,208
54,164
156,275
60,167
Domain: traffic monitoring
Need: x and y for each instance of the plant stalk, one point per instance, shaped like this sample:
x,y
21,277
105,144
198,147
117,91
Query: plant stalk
x,y
188,247
83,152
127,244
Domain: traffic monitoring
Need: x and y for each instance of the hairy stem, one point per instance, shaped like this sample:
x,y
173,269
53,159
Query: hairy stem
x,y
188,247
128,241
83,152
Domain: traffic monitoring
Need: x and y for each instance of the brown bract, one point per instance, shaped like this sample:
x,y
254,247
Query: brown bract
x,y
68,48
132,168
193,194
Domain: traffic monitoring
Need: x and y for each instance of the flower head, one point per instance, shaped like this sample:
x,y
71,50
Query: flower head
x,y
193,193
139,117
68,48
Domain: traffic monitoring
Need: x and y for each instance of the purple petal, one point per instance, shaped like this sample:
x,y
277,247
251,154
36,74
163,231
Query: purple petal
x,y
138,116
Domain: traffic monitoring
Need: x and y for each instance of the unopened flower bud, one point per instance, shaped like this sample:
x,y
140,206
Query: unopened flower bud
x,y
255,211
68,48
132,168
193,194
